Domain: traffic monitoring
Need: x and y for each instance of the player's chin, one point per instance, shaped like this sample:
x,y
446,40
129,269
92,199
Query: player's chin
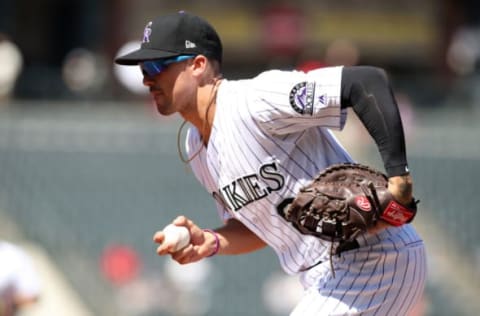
x,y
163,108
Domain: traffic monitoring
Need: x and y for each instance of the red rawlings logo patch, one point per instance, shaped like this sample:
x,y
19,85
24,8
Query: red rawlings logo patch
x,y
363,203
396,214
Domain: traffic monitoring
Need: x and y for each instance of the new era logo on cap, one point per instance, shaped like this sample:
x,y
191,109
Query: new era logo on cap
x,y
189,44
174,35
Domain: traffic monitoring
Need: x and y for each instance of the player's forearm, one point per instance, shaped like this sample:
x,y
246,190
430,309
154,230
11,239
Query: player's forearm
x,y
367,90
235,239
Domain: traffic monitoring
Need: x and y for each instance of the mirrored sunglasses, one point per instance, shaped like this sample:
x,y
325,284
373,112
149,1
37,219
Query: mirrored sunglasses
x,y
154,67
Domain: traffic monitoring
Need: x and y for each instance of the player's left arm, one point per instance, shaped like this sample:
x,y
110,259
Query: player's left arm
x,y
368,91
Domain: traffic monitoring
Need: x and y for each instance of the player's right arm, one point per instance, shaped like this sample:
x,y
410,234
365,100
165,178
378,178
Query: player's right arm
x,y
233,238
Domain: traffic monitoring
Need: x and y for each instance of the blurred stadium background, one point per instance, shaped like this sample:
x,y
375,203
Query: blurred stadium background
x,y
88,172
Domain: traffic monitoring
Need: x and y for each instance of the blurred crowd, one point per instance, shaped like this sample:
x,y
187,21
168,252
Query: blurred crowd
x,y
66,51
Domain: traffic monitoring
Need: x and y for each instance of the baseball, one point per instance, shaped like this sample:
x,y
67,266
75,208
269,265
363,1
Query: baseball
x,y
178,236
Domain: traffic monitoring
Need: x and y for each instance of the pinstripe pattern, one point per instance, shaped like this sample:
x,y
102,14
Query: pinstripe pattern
x,y
262,151
385,276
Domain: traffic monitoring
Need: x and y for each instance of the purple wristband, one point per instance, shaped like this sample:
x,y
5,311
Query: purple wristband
x,y
217,241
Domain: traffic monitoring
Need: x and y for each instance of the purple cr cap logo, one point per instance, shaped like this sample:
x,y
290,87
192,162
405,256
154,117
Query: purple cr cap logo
x,y
147,32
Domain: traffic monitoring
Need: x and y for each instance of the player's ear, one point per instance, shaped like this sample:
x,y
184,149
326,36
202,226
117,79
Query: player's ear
x,y
199,65
204,70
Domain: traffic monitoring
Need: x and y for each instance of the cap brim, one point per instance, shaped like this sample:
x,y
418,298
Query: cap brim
x,y
143,54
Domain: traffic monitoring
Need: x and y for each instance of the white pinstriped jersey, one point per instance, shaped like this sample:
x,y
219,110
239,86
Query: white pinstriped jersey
x,y
270,137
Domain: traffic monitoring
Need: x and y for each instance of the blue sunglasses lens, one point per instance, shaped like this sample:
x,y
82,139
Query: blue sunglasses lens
x,y
154,67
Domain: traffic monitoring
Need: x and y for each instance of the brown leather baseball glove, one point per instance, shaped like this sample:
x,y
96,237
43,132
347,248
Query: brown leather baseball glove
x,y
345,200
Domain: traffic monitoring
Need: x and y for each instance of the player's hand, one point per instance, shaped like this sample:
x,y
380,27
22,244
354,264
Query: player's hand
x,y
401,188
198,248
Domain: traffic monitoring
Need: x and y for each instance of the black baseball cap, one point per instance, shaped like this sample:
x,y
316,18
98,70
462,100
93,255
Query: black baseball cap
x,y
174,35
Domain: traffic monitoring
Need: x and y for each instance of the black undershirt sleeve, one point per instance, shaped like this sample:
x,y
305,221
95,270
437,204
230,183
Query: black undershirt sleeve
x,y
367,90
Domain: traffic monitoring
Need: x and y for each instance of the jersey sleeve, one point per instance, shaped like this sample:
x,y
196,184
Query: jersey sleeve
x,y
291,101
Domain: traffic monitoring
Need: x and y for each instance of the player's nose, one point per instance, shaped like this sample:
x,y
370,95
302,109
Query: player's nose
x,y
147,80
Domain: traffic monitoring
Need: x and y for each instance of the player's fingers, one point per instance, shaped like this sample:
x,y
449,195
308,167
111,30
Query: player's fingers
x,y
181,220
186,222
186,255
196,234
191,254
158,237
165,248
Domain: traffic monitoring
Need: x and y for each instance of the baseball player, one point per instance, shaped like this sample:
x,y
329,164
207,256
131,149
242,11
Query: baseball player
x,y
254,143
19,283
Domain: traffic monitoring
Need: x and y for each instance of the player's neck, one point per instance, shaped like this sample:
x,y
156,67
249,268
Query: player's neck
x,y
203,115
